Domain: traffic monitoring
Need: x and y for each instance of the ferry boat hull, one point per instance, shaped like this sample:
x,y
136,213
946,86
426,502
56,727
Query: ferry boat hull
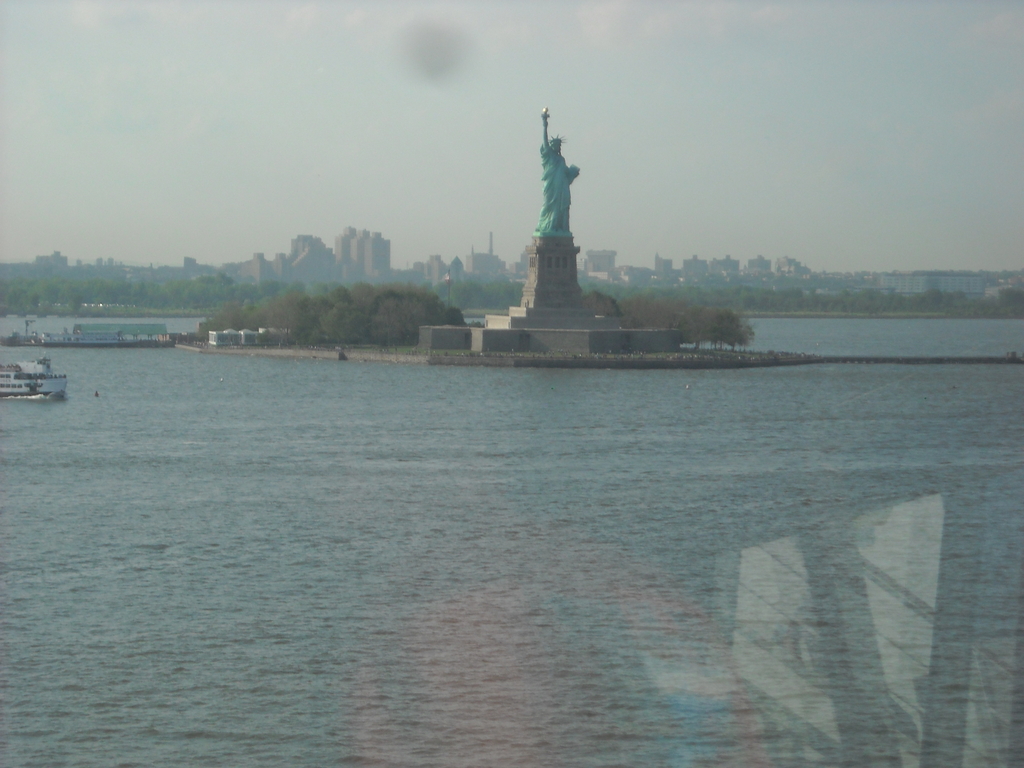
x,y
34,378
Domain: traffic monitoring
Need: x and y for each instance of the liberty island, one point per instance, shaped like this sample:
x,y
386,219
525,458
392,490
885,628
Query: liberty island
x,y
551,316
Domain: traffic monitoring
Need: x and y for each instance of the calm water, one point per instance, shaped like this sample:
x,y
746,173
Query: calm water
x,y
241,561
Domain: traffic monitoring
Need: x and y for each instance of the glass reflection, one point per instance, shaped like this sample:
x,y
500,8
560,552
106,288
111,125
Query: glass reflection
x,y
892,640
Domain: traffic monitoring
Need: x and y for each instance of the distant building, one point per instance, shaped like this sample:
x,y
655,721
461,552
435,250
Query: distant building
x,y
343,249
909,283
433,269
635,276
362,255
456,270
437,268
190,268
522,267
258,269
759,266
787,266
726,266
311,260
55,262
281,267
600,261
662,266
375,254
484,264
357,255
694,268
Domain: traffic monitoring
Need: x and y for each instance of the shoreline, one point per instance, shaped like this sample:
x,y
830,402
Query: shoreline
x,y
475,313
695,360
479,313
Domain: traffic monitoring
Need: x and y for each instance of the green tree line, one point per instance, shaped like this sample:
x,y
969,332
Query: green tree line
x,y
23,295
477,295
749,299
387,315
717,326
203,294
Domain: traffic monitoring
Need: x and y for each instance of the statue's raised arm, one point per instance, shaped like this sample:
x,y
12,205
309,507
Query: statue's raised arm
x,y
556,178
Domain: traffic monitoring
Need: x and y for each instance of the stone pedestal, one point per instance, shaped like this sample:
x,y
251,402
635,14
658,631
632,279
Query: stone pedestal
x,y
552,297
551,281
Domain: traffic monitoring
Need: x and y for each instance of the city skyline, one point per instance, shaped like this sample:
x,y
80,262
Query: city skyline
x,y
850,137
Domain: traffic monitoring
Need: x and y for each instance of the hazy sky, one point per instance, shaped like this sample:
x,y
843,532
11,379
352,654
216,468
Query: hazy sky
x,y
849,135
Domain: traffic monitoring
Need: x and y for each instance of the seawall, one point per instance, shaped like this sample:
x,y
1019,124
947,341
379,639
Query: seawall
x,y
314,353
692,361
621,362
908,360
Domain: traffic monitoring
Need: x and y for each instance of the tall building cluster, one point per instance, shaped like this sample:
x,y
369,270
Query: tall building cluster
x,y
600,266
358,255
476,266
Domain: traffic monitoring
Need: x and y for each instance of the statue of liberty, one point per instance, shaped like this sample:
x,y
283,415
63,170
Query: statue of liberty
x,y
557,176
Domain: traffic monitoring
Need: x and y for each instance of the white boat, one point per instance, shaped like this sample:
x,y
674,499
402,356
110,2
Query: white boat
x,y
34,378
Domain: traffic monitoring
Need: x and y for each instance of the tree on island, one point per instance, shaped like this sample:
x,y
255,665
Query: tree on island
x,y
718,326
715,325
601,304
363,314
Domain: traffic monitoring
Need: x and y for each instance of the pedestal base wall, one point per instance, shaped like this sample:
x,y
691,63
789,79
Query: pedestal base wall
x,y
527,318
577,342
446,337
554,340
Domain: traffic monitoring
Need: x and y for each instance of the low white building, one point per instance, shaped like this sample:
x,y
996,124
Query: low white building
x,y
247,336
225,338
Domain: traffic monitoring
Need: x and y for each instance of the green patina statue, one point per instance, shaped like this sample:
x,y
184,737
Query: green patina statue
x,y
554,214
